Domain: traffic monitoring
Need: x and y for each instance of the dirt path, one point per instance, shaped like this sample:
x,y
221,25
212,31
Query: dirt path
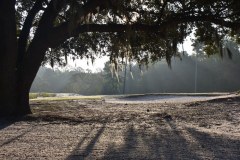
x,y
100,130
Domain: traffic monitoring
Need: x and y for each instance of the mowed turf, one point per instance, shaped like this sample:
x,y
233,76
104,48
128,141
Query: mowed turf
x,y
67,98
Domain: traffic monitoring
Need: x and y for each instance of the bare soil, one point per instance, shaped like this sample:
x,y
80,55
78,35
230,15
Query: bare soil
x,y
94,129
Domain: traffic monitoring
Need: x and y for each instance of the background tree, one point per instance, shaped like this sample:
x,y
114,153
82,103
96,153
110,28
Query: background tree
x,y
214,74
33,31
84,83
112,84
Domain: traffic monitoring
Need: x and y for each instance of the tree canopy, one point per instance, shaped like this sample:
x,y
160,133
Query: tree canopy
x,y
136,29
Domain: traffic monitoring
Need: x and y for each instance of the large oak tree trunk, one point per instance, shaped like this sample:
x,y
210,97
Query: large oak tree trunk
x,y
8,51
14,98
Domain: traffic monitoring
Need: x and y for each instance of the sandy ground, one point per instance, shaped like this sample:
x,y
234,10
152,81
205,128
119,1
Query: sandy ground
x,y
94,129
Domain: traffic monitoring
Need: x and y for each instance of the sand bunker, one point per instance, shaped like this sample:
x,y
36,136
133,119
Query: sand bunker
x,y
166,98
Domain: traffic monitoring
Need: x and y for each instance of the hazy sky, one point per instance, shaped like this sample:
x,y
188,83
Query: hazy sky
x,y
99,62
87,64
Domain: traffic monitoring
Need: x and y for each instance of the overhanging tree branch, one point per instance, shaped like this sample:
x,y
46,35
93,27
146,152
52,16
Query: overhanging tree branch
x,y
38,46
23,38
60,34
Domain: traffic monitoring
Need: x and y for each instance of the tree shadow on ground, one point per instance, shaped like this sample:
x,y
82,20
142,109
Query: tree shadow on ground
x,y
82,151
219,146
62,119
7,121
21,134
171,143
4,124
84,147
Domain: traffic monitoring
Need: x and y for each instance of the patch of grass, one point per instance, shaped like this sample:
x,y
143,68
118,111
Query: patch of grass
x,y
36,95
47,95
69,98
33,95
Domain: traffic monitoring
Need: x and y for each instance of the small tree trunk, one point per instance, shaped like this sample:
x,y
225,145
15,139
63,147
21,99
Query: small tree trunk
x,y
23,106
23,86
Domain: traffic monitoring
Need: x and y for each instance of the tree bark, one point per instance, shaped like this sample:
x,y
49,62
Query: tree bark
x,y
8,49
13,101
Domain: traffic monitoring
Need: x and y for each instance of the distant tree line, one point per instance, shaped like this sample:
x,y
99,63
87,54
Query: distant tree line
x,y
78,81
188,74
